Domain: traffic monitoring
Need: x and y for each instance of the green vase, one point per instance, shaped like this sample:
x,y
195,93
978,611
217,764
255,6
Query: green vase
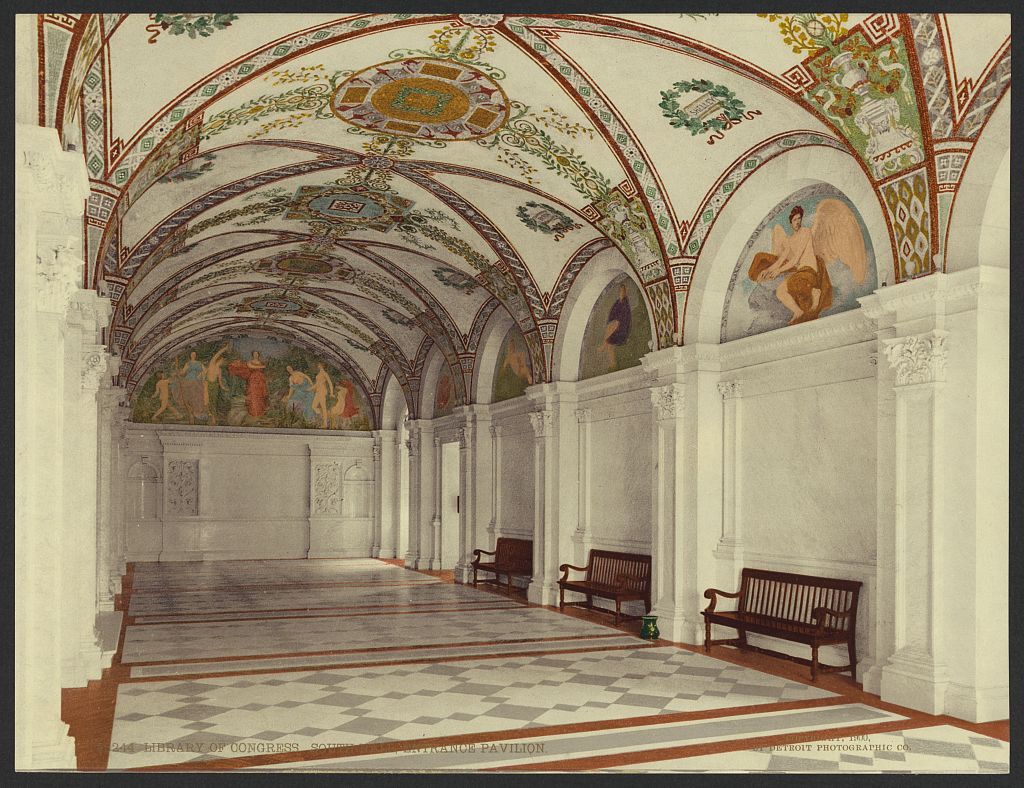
x,y
649,630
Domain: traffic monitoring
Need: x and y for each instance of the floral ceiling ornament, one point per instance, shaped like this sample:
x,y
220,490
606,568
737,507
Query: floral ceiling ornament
x,y
713,107
192,25
481,20
810,32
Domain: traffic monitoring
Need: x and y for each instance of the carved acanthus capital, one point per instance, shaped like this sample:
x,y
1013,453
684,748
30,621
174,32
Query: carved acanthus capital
x,y
94,367
376,449
919,358
463,438
412,443
542,422
61,181
729,389
669,401
495,431
58,273
583,415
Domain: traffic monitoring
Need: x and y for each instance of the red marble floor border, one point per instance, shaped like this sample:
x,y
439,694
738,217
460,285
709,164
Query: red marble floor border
x,y
411,660
375,649
383,612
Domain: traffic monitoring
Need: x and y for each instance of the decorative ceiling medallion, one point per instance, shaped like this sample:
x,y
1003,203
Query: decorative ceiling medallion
x,y
296,264
272,305
424,98
353,206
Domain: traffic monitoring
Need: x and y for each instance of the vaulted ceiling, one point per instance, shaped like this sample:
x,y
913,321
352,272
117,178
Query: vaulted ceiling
x,y
372,186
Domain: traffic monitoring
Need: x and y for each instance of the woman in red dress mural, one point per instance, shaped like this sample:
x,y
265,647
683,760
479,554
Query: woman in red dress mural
x,y
345,407
255,378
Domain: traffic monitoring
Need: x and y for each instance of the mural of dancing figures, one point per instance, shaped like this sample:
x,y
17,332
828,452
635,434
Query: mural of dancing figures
x,y
810,257
250,382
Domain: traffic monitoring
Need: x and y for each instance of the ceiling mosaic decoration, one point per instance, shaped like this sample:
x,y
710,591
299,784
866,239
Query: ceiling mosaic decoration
x,y
379,184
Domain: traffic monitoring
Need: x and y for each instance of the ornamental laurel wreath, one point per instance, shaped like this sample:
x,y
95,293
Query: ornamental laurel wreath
x,y
732,107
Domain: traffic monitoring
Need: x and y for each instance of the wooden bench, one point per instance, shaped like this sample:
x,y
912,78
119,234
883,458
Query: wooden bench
x,y
610,575
817,611
512,558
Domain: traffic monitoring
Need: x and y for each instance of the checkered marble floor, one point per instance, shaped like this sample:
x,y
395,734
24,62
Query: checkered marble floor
x,y
941,749
359,706
278,660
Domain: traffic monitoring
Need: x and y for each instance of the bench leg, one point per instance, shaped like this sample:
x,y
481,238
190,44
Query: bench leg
x,y
618,610
852,648
707,636
510,584
590,602
561,599
814,662
474,577
742,638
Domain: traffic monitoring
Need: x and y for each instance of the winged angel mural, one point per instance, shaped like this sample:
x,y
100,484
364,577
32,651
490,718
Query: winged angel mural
x,y
801,259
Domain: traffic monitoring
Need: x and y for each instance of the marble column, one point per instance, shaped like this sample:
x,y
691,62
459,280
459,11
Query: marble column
x,y
543,589
494,525
730,544
413,445
51,188
108,487
435,521
941,632
388,491
378,496
669,410
581,536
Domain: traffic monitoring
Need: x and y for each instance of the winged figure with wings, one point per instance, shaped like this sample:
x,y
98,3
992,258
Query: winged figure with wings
x,y
802,258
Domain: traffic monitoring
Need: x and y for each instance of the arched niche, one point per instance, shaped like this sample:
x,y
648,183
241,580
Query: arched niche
x,y
590,284
393,407
357,492
758,195
978,231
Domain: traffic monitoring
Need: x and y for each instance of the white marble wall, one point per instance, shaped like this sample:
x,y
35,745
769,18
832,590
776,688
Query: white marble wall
x,y
250,494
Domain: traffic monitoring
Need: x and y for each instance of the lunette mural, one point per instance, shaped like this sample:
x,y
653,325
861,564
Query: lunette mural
x,y
618,331
250,382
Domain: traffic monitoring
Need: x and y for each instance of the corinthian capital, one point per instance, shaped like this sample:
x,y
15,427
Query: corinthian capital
x,y
542,422
669,401
920,358
729,389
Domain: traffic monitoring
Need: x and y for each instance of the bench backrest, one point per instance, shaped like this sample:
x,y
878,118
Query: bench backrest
x,y
794,597
605,566
516,554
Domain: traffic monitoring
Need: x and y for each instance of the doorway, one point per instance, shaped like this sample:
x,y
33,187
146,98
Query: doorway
x,y
450,504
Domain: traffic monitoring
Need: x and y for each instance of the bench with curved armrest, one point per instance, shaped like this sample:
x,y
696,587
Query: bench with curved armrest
x,y
512,558
817,611
609,575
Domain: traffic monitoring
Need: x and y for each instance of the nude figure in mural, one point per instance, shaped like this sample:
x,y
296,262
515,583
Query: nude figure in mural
x,y
252,373
616,332
515,360
806,289
215,382
163,393
322,387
